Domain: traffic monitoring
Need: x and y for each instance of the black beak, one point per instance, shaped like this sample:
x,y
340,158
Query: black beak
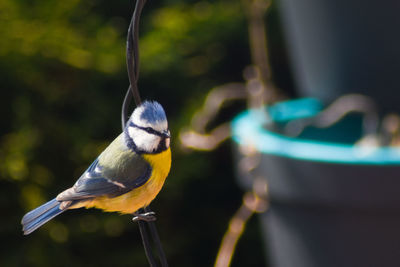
x,y
166,134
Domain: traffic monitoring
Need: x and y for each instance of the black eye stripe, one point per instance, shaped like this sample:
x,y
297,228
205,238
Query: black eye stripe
x,y
147,129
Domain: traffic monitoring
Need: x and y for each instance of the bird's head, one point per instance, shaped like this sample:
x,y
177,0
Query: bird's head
x,y
148,128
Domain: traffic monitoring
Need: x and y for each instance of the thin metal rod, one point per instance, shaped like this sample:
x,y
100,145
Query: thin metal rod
x,y
146,243
132,50
125,107
132,61
157,241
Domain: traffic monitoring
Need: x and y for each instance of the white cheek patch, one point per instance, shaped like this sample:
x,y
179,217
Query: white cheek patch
x,y
143,140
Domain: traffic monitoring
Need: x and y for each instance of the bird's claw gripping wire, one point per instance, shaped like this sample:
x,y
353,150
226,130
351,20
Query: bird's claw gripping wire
x,y
147,216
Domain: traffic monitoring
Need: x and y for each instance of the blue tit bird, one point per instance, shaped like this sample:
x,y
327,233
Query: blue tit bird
x,y
126,176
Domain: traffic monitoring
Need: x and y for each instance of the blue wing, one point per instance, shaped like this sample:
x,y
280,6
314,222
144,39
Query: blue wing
x,y
97,182
109,175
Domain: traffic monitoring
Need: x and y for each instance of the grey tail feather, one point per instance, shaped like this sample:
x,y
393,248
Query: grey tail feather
x,y
39,216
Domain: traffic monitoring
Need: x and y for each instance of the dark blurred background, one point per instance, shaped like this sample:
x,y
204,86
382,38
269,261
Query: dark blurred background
x,y
63,78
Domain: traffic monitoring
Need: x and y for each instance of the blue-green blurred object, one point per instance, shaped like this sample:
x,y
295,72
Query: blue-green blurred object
x,y
333,203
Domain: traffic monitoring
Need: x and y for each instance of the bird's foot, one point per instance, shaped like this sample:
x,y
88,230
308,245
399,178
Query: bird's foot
x,y
147,216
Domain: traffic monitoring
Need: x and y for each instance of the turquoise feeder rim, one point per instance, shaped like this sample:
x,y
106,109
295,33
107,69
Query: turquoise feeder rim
x,y
248,130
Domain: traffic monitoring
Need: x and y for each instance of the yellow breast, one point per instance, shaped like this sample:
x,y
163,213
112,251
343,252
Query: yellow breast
x,y
143,195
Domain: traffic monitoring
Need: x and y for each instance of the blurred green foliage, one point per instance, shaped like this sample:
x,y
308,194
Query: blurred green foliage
x,y
63,78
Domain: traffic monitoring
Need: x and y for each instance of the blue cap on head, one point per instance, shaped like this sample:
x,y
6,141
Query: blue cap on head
x,y
152,112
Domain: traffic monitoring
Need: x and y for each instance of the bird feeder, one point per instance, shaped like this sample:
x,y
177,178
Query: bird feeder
x,y
332,203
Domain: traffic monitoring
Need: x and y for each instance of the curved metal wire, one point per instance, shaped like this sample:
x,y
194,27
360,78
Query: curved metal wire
x,y
132,50
132,62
